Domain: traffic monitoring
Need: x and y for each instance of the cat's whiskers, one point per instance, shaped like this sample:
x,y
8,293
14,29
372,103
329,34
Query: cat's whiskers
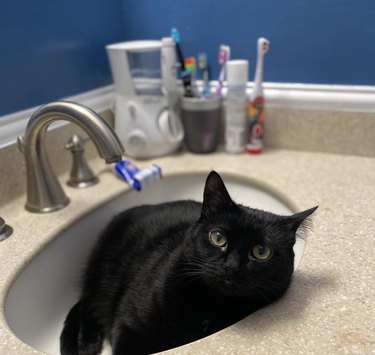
x,y
194,270
184,281
275,285
267,285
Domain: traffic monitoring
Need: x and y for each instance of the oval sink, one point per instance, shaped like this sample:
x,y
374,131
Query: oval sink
x,y
41,296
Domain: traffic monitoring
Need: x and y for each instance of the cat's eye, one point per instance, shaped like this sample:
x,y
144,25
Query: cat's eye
x,y
261,252
218,239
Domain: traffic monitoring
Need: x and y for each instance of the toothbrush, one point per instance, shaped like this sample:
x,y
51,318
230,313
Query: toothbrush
x,y
256,103
186,77
203,65
224,56
191,69
190,66
176,38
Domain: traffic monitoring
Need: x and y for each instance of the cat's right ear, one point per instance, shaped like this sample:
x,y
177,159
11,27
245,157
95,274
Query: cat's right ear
x,y
216,196
296,220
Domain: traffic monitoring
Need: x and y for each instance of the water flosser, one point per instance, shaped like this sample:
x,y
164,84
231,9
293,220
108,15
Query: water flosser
x,y
235,113
255,111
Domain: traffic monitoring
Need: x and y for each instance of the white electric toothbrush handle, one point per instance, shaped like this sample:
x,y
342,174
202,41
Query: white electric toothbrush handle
x,y
168,65
263,44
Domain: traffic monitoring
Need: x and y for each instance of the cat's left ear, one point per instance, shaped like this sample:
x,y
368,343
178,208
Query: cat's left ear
x,y
296,220
216,196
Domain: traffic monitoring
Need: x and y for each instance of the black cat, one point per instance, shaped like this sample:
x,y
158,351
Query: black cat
x,y
165,275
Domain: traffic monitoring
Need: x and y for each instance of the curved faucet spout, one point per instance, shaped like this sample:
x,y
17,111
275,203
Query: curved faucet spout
x,y
44,192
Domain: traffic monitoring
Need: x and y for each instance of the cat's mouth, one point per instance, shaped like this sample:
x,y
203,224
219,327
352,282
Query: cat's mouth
x,y
233,286
230,287
228,283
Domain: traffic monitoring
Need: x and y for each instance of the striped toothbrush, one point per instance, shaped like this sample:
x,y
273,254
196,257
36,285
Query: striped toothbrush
x,y
255,111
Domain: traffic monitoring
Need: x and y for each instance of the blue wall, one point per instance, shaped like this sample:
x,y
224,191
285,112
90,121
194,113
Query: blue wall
x,y
312,41
54,49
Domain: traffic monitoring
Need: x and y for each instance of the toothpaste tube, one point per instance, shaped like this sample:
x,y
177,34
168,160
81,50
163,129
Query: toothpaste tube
x,y
136,178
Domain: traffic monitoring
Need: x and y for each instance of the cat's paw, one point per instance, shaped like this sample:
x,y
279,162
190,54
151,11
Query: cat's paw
x,y
91,346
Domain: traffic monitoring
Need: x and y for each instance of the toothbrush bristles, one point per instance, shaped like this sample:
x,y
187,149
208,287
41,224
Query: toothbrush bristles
x,y
202,60
263,44
224,52
175,35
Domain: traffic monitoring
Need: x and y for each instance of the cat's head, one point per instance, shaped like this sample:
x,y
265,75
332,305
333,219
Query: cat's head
x,y
244,251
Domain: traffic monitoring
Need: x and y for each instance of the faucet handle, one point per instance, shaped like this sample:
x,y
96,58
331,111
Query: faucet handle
x,y
80,175
76,142
21,144
5,230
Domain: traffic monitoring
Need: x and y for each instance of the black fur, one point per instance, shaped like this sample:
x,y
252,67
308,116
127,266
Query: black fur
x,y
155,281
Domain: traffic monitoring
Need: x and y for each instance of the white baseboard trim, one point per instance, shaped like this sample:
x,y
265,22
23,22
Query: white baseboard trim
x,y
278,95
353,98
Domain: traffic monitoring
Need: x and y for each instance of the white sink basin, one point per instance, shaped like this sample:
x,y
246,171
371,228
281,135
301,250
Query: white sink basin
x,y
43,293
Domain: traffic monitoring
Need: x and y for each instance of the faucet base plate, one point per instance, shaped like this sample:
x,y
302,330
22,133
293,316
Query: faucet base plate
x,y
47,209
82,184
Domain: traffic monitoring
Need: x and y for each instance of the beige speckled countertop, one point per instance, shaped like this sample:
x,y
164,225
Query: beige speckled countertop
x,y
329,308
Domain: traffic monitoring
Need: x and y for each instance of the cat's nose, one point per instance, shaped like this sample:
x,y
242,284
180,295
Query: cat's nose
x,y
231,266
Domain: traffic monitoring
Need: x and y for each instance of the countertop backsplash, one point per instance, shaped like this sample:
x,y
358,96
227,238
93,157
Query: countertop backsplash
x,y
327,131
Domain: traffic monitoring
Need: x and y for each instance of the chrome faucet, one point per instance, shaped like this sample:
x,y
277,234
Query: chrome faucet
x,y
44,192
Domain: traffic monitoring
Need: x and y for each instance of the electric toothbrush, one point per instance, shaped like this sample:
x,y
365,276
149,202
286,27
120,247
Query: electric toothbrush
x,y
168,71
256,104
169,120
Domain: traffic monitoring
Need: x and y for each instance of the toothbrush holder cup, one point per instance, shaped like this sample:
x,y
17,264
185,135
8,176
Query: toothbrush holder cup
x,y
201,117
